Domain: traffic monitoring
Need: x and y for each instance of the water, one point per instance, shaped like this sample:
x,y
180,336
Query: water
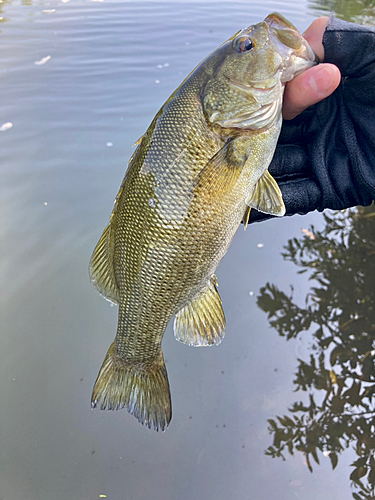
x,y
80,82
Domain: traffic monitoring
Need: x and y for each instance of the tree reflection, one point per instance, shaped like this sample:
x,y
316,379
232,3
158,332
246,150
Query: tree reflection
x,y
357,11
339,377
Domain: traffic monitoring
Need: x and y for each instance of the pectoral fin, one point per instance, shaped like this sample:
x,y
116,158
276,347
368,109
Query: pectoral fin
x,y
223,169
202,322
266,196
246,217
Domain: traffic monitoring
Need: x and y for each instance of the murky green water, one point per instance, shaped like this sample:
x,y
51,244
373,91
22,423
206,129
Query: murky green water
x,y
80,82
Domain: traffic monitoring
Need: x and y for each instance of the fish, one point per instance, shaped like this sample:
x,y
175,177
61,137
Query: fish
x,y
195,175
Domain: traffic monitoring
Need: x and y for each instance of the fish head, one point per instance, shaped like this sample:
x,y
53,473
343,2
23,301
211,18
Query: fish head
x,y
249,73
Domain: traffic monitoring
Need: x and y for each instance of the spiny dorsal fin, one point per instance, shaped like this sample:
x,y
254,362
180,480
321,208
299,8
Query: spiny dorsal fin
x,y
137,143
202,321
101,264
101,267
266,196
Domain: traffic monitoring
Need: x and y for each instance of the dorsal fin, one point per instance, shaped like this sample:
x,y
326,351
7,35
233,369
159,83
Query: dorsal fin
x,y
101,267
101,264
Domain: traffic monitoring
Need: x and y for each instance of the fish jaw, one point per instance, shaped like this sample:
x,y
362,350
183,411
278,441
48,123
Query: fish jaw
x,y
296,52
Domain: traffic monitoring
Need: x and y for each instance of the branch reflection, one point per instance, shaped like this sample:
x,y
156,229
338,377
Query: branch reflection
x,y
339,377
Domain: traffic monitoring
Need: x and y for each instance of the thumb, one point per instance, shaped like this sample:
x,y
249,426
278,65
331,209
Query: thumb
x,y
310,87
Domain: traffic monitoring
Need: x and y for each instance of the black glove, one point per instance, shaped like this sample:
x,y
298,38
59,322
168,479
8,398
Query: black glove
x,y
325,157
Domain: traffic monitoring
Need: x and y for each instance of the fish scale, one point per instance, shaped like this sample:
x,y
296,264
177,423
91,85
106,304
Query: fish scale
x,y
195,174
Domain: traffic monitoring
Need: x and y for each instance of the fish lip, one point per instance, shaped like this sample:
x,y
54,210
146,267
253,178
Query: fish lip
x,y
280,20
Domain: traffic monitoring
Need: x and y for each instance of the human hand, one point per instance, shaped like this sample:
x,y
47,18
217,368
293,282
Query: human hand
x,y
325,157
316,83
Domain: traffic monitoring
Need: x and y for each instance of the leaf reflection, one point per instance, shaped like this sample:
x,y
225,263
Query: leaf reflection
x,y
339,377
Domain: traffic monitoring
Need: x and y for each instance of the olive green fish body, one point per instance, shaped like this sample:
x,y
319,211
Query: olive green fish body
x,y
155,233
195,174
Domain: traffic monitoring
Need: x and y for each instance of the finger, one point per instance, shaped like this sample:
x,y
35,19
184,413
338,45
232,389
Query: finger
x,y
314,35
290,161
301,196
310,87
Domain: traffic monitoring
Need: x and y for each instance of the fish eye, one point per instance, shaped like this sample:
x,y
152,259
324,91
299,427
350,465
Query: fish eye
x,y
244,44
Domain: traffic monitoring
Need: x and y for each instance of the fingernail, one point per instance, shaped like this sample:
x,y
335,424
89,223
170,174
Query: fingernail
x,y
321,80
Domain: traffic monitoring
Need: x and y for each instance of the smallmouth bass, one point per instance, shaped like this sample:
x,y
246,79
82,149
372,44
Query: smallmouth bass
x,y
195,175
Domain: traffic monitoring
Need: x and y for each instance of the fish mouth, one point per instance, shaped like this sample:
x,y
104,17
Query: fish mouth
x,y
285,33
287,40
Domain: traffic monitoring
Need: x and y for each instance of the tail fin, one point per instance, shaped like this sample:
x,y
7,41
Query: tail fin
x,y
141,388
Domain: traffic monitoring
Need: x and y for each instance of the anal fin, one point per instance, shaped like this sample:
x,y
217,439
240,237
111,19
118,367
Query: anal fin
x,y
202,321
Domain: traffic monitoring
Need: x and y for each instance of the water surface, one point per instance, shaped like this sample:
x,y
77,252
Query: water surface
x,y
80,83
